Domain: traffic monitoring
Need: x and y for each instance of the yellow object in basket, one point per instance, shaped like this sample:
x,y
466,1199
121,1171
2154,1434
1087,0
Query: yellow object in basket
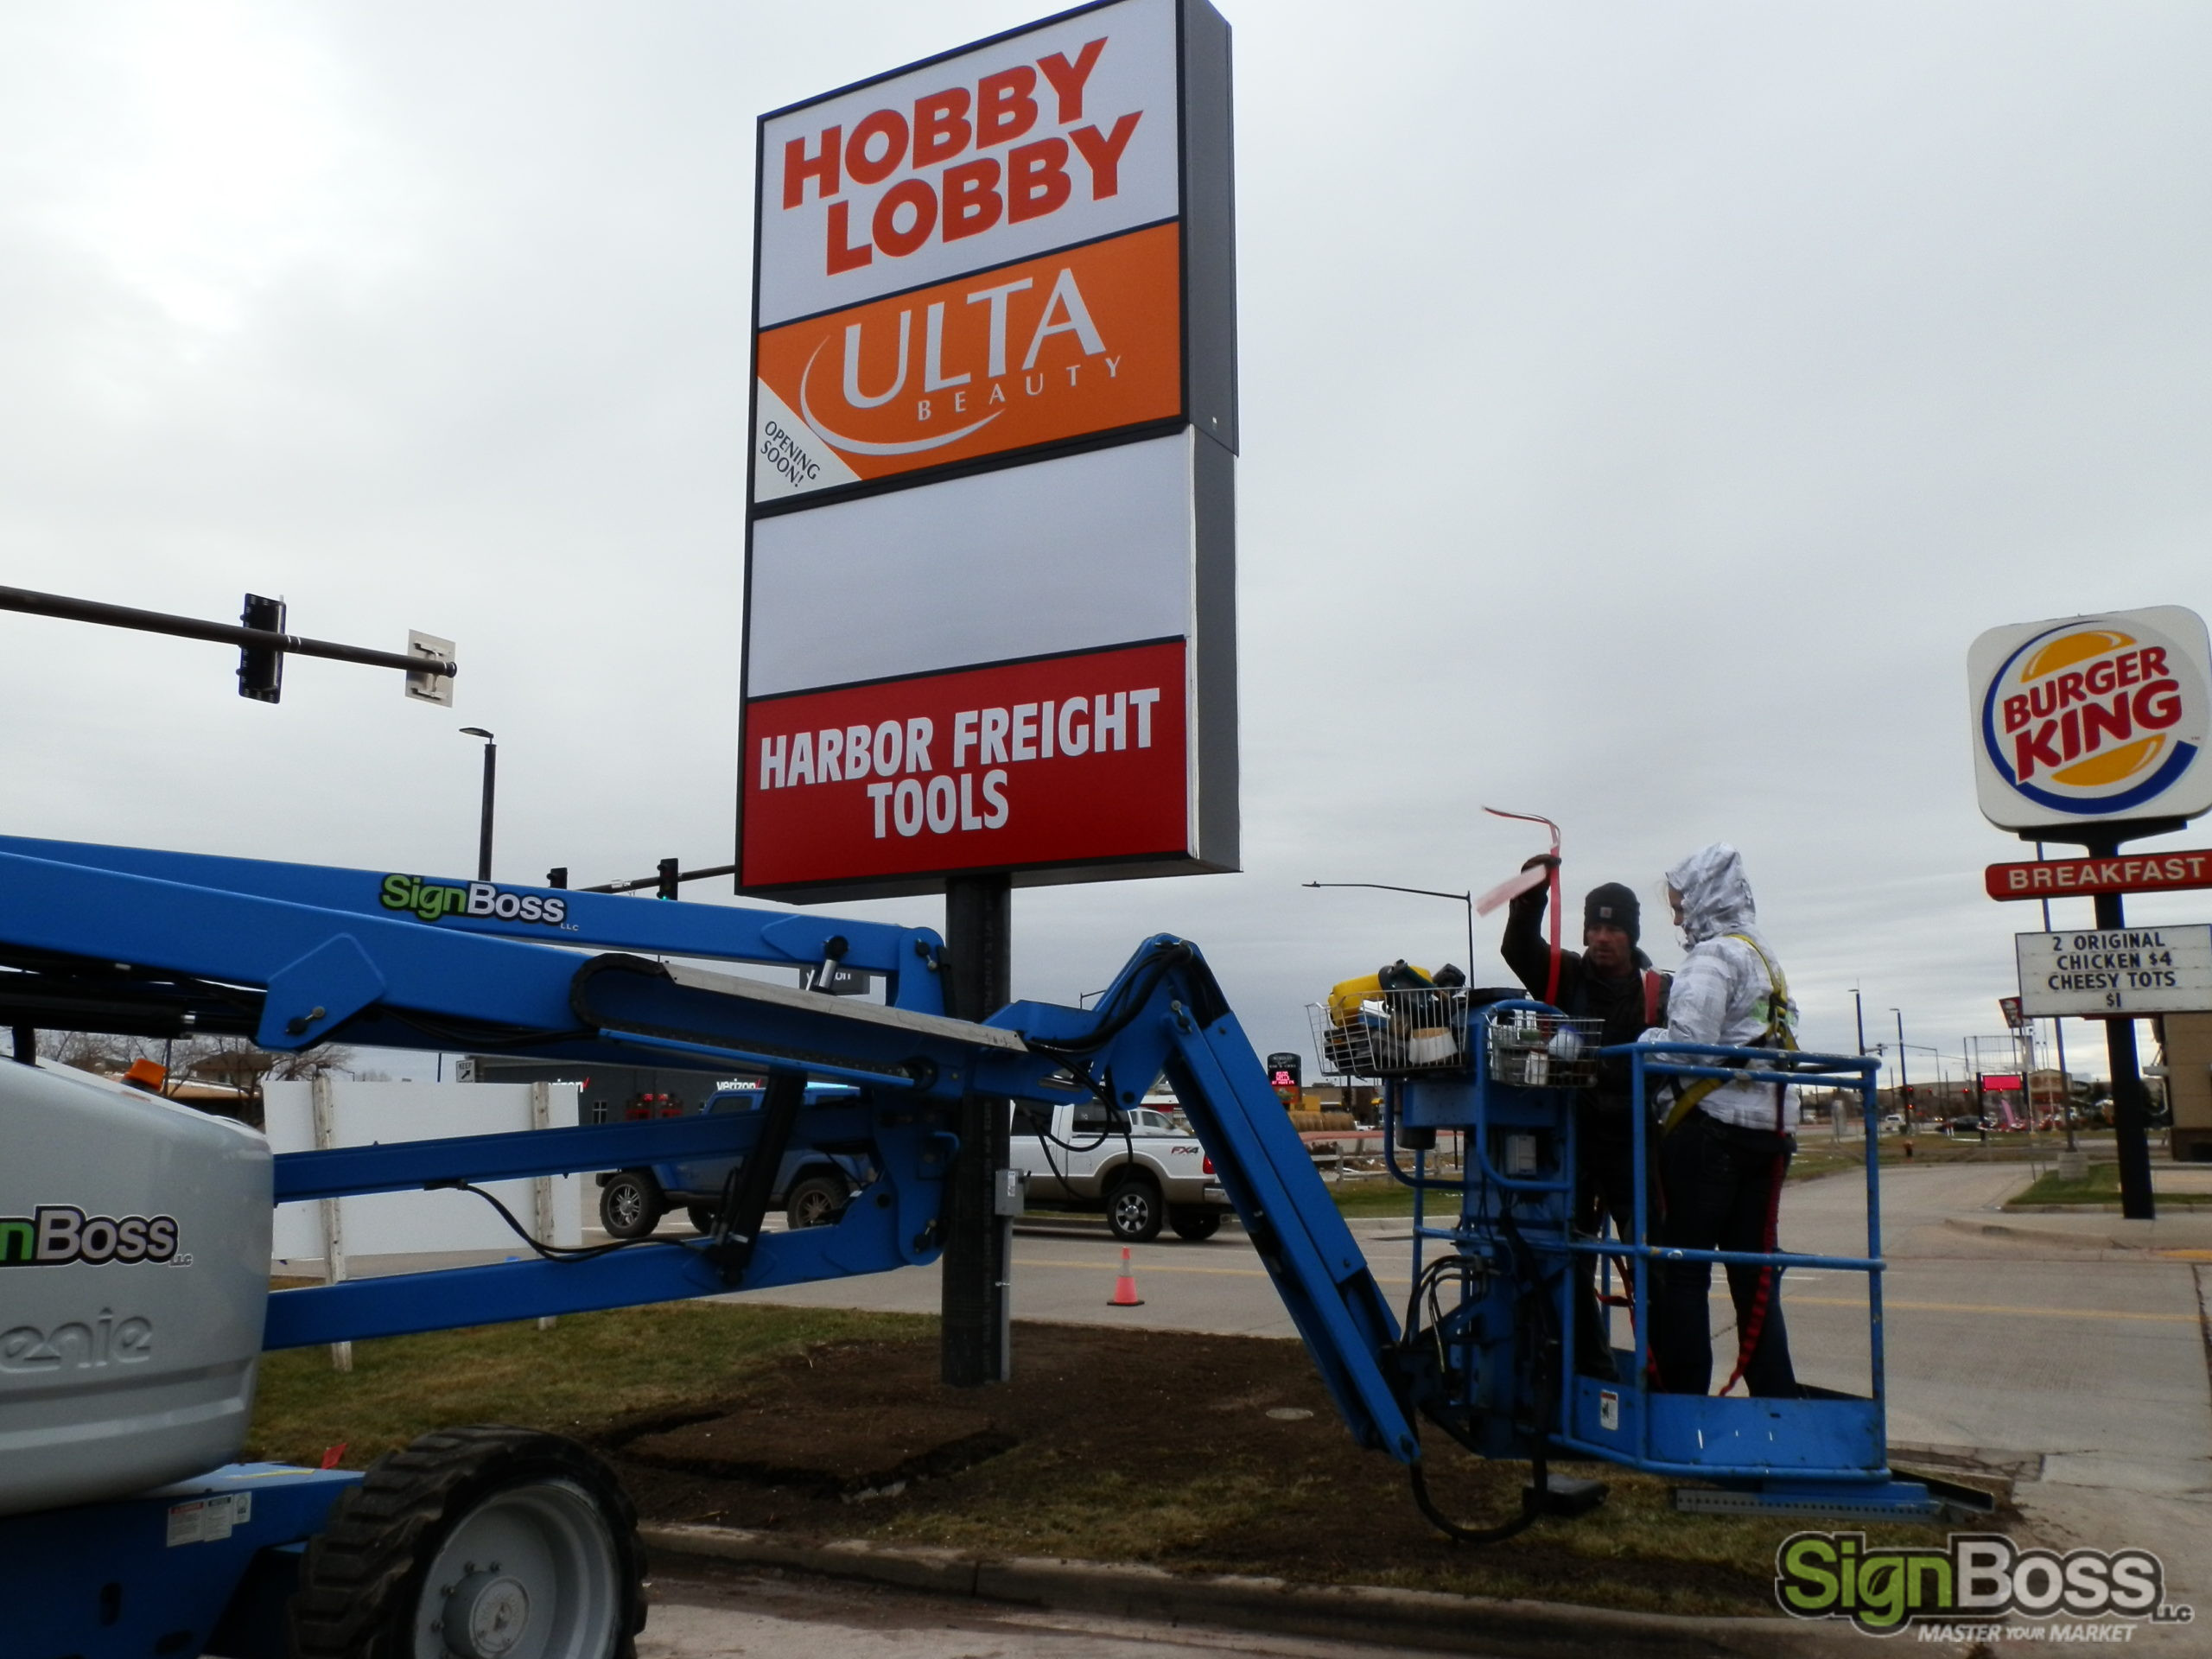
x,y
1345,997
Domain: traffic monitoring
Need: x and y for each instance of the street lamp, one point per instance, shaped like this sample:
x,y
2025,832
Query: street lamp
x,y
1466,899
1858,1014
1905,1078
490,772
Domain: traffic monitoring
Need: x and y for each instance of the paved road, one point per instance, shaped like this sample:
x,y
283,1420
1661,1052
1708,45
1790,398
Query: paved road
x,y
765,1616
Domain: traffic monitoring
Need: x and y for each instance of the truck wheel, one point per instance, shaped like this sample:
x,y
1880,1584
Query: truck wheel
x,y
631,1204
1194,1224
1133,1210
702,1217
481,1542
814,1202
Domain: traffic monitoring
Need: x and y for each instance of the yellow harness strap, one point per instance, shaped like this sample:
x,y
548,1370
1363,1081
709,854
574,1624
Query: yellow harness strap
x,y
1777,1034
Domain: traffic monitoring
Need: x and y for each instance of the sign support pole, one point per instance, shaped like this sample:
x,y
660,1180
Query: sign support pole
x,y
2129,1109
977,1287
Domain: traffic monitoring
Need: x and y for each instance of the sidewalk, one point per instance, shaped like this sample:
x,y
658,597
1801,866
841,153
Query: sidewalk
x,y
2176,1231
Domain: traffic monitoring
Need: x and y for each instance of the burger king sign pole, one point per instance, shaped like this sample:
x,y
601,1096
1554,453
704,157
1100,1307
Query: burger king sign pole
x,y
2093,729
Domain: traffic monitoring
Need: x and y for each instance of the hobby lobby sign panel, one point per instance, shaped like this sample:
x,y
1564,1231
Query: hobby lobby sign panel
x,y
990,556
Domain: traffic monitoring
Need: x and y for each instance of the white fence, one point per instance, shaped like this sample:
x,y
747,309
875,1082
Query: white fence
x,y
408,1223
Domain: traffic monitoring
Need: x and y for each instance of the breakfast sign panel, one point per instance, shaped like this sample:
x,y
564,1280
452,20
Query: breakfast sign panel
x,y
991,576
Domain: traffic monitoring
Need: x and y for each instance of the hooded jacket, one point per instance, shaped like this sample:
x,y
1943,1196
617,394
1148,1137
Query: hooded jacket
x,y
1722,992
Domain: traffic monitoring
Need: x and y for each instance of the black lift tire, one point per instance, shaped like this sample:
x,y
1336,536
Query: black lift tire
x,y
1194,1224
1134,1210
464,1533
631,1204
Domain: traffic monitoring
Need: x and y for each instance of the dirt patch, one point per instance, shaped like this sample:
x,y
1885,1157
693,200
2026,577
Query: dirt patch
x,y
1188,1452
809,1445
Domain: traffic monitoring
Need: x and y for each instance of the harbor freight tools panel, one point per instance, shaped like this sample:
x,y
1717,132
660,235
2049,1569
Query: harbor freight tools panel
x,y
990,552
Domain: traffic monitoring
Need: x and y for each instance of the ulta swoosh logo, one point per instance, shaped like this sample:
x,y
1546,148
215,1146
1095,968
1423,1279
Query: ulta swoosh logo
x,y
859,447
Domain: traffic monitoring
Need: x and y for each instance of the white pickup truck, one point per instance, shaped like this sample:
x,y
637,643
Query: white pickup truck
x,y
1077,1159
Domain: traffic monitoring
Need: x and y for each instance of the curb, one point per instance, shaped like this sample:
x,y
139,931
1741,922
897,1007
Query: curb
x,y
2039,1234
1415,1618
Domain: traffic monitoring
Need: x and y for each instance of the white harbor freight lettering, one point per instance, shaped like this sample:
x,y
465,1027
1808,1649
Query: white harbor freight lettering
x,y
917,799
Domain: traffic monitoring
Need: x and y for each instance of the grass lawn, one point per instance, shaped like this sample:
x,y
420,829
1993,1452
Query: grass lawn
x,y
2102,1188
591,1370
1195,1452
1816,1155
1372,1197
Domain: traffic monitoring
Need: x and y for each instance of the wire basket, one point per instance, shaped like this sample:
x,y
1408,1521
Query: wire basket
x,y
1392,1033
1531,1048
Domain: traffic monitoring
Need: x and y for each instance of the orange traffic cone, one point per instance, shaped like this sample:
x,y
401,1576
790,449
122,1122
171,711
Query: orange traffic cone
x,y
1125,1288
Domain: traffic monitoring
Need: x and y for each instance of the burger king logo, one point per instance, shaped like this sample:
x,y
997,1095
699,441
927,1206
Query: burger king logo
x,y
2093,717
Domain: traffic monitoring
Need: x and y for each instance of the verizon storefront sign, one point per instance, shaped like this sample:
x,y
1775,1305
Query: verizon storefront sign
x,y
990,556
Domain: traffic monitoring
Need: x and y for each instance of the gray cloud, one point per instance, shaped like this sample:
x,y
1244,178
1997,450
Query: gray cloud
x,y
1643,406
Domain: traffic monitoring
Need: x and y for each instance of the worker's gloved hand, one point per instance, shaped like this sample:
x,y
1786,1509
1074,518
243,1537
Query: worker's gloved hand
x,y
1533,901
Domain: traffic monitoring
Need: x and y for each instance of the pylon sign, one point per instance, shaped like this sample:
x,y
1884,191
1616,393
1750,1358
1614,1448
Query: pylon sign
x,y
2088,719
989,591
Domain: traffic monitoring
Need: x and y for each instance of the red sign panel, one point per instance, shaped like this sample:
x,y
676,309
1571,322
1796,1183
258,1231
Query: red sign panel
x,y
2000,1083
2060,877
1062,759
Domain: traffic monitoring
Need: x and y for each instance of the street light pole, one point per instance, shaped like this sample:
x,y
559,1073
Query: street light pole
x,y
1904,1079
1466,899
491,775
1858,1014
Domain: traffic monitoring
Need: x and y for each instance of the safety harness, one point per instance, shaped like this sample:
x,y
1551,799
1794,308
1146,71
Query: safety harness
x,y
1777,1034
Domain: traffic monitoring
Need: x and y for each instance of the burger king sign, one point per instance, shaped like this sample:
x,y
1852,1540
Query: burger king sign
x,y
2091,720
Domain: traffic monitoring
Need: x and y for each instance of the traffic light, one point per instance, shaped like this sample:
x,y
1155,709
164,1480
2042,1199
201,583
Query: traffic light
x,y
557,876
666,888
261,669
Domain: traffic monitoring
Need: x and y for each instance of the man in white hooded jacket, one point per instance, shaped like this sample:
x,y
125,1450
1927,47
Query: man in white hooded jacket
x,y
1724,1147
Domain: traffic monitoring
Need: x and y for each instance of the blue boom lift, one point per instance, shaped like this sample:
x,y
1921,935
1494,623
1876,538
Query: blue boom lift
x,y
497,1544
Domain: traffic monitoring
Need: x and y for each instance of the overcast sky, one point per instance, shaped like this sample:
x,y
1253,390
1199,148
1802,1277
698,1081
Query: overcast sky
x,y
1643,407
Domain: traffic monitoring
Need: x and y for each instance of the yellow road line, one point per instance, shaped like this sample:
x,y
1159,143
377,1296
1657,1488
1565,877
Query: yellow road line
x,y
1891,1305
1888,1305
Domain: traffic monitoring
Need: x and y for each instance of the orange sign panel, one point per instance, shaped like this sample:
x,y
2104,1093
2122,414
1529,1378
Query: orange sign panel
x,y
1085,340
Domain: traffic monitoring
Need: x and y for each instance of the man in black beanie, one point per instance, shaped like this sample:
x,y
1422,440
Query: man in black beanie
x,y
1611,981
